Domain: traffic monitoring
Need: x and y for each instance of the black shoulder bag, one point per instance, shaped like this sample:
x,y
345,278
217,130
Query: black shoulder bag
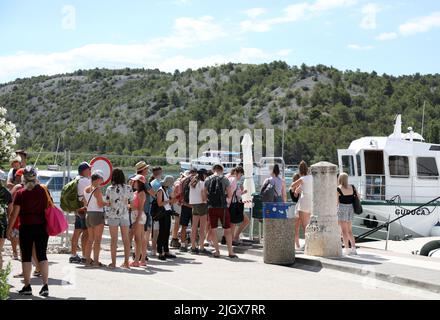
x,y
356,202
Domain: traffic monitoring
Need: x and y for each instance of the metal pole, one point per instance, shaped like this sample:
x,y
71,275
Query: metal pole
x,y
67,161
282,145
388,232
423,117
251,233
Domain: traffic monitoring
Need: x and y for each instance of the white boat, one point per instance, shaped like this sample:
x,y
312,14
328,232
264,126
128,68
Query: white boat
x,y
209,158
394,175
55,180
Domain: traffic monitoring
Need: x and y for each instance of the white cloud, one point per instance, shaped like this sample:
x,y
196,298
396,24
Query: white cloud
x,y
387,36
294,12
422,24
358,47
418,25
255,12
187,32
284,52
369,20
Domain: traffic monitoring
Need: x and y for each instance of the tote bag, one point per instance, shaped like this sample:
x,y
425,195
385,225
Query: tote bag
x,y
55,221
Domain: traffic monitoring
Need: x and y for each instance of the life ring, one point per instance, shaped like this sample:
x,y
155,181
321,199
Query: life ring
x,y
430,246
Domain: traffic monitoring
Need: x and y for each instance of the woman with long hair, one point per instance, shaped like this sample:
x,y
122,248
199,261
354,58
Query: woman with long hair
x,y
346,197
278,184
305,185
119,195
95,218
138,218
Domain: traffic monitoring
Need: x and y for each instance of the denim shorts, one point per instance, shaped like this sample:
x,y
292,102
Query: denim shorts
x,y
118,222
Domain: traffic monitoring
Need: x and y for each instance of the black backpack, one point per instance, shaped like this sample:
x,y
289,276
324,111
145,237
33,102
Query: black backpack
x,y
216,193
186,188
268,192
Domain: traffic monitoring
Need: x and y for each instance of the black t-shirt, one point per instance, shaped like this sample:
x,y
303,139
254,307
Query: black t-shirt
x,y
5,200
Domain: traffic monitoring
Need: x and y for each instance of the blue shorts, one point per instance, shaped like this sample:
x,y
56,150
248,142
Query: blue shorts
x,y
80,222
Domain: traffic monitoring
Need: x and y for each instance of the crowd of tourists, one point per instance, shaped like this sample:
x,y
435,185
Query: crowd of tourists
x,y
141,207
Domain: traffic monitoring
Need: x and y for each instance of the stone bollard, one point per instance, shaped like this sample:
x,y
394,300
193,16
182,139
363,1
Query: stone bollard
x,y
323,235
279,240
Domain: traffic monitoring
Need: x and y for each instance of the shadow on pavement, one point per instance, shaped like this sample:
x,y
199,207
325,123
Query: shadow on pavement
x,y
16,296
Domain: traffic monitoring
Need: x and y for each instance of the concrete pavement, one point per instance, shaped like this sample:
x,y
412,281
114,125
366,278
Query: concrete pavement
x,y
202,277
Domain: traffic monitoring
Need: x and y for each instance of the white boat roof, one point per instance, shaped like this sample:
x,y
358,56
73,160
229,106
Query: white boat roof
x,y
50,173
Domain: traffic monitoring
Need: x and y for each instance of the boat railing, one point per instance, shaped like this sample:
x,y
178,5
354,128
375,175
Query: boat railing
x,y
413,189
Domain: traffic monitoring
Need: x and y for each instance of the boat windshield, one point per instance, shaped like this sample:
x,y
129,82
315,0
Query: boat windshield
x,y
44,180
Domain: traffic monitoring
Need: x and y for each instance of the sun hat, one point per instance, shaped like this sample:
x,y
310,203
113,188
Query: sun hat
x,y
98,173
140,178
167,181
17,158
141,165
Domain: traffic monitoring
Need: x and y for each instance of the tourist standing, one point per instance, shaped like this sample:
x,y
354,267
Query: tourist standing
x,y
177,207
119,195
198,201
15,228
95,219
165,202
217,190
277,183
138,218
155,183
235,203
346,197
5,212
186,212
295,194
84,173
305,201
30,204
15,166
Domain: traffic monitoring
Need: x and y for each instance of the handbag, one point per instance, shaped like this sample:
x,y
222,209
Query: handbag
x,y
236,208
357,207
157,212
55,221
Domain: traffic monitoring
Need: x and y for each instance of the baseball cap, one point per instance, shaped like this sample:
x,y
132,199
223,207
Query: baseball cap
x,y
83,166
140,178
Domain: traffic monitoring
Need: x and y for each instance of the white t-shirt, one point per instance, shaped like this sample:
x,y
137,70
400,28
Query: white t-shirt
x,y
82,184
195,194
166,198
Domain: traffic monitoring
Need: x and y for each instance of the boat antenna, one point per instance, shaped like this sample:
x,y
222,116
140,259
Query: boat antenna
x,y
56,154
36,160
423,116
284,127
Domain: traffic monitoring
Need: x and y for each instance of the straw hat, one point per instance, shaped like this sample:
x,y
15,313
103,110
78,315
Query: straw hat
x,y
17,158
142,165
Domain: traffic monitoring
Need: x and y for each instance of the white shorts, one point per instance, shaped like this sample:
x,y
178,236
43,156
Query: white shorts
x,y
134,215
304,204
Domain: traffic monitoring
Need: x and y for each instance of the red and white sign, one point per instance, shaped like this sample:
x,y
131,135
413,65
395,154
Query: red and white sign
x,y
103,164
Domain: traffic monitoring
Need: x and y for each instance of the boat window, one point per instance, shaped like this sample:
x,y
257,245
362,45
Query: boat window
x,y
427,168
359,166
399,166
43,179
348,165
434,148
56,183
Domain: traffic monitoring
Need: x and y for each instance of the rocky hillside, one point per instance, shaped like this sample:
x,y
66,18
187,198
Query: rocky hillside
x,y
129,111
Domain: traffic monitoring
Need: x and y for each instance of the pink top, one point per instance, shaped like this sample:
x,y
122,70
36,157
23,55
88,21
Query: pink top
x,y
135,201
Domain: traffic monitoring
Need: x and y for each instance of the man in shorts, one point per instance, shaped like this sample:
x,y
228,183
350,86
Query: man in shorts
x,y
186,209
85,172
218,191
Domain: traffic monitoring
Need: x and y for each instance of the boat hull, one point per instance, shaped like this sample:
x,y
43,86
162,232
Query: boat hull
x,y
416,224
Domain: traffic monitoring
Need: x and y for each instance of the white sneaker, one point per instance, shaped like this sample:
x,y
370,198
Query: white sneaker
x,y
346,252
353,252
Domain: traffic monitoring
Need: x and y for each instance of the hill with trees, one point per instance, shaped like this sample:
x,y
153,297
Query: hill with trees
x,y
129,111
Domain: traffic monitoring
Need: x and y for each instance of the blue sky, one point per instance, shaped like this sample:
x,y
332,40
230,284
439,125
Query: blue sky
x,y
393,36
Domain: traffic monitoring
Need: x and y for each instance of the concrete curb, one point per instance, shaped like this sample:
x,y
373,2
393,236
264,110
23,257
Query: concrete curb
x,y
325,263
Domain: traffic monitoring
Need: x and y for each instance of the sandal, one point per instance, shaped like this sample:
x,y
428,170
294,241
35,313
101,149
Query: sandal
x,y
125,265
142,264
216,254
111,266
134,264
37,273
233,256
19,275
97,265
